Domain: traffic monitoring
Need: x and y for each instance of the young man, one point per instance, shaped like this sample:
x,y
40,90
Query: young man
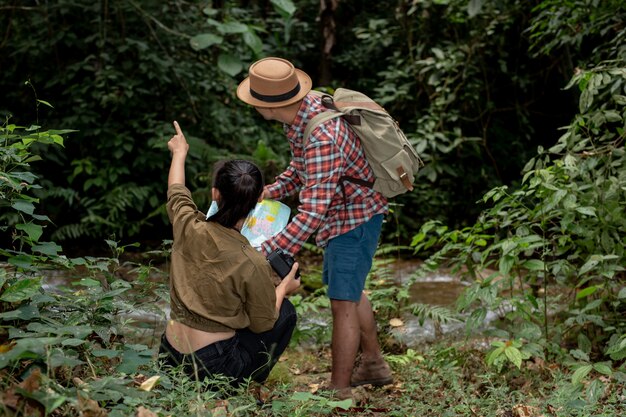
x,y
346,217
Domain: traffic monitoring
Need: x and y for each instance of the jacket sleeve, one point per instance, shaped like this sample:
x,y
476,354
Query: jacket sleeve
x,y
260,300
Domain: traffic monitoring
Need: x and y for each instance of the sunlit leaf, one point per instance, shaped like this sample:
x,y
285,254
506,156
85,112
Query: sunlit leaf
x,y
149,383
586,292
589,211
581,373
514,355
284,7
603,368
34,231
21,290
474,7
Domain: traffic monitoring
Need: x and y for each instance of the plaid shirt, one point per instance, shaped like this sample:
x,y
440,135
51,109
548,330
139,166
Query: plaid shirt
x,y
332,151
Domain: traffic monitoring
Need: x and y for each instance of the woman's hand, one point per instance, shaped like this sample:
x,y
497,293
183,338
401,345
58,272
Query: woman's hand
x,y
178,144
290,281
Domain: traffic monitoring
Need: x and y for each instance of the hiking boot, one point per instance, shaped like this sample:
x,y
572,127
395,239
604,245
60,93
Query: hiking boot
x,y
375,372
344,393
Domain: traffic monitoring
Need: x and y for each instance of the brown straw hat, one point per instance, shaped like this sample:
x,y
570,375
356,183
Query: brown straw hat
x,y
273,82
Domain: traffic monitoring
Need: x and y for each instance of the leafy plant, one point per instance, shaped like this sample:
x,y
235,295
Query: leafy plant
x,y
556,240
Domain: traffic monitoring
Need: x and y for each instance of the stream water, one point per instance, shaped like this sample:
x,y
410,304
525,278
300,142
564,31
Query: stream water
x,y
439,289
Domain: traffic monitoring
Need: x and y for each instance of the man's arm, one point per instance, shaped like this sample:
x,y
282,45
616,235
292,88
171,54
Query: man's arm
x,y
178,146
285,184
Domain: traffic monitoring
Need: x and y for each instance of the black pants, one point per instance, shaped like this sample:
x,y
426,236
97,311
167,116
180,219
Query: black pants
x,y
245,355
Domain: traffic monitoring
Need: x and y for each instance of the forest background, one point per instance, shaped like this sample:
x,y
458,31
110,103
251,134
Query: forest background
x,y
516,107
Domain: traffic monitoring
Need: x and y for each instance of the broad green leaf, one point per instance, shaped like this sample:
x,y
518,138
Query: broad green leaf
x,y
72,342
33,230
63,359
204,40
505,264
508,245
438,53
233,27
47,248
286,8
514,355
23,206
88,282
24,312
589,265
132,360
230,64
581,373
494,354
534,265
21,290
603,368
107,353
595,391
21,261
589,211
253,41
579,354
622,293
586,292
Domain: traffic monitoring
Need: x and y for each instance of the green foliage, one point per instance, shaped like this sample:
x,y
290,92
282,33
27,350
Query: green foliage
x,y
18,219
120,72
556,240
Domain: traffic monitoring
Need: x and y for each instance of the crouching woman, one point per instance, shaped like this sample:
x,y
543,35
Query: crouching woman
x,y
228,316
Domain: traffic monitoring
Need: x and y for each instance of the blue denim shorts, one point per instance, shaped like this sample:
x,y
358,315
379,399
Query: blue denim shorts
x,y
348,259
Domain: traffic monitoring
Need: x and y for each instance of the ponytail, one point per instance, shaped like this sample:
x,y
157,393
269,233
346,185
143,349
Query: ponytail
x,y
240,184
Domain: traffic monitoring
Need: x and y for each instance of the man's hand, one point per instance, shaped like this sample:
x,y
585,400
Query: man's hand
x,y
266,193
178,144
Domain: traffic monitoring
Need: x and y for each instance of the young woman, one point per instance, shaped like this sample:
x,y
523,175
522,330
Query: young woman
x,y
227,315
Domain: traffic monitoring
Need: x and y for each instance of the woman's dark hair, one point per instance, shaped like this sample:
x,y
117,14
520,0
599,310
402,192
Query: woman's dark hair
x,y
240,184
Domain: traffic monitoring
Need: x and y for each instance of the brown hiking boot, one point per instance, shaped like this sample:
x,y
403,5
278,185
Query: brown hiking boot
x,y
375,372
344,393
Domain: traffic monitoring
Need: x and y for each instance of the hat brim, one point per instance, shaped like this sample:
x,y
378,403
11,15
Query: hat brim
x,y
243,92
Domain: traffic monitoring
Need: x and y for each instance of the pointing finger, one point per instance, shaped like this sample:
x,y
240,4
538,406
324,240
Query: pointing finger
x,y
177,127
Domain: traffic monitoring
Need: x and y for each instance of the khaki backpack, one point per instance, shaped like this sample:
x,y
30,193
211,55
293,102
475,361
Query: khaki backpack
x,y
390,154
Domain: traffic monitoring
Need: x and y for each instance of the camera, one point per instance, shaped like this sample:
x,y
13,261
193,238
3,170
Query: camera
x,y
281,262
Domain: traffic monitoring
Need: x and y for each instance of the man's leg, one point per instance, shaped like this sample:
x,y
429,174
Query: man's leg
x,y
372,368
345,342
370,348
347,261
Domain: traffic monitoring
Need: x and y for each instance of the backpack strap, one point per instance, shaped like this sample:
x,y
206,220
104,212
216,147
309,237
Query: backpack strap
x,y
318,120
325,116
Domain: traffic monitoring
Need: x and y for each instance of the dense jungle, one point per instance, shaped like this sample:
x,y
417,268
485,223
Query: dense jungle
x,y
499,282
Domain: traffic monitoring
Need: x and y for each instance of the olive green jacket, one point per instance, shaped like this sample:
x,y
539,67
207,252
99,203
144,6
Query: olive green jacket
x,y
218,282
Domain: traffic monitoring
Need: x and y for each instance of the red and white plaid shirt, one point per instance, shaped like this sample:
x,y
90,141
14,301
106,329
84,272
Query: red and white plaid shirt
x,y
333,150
